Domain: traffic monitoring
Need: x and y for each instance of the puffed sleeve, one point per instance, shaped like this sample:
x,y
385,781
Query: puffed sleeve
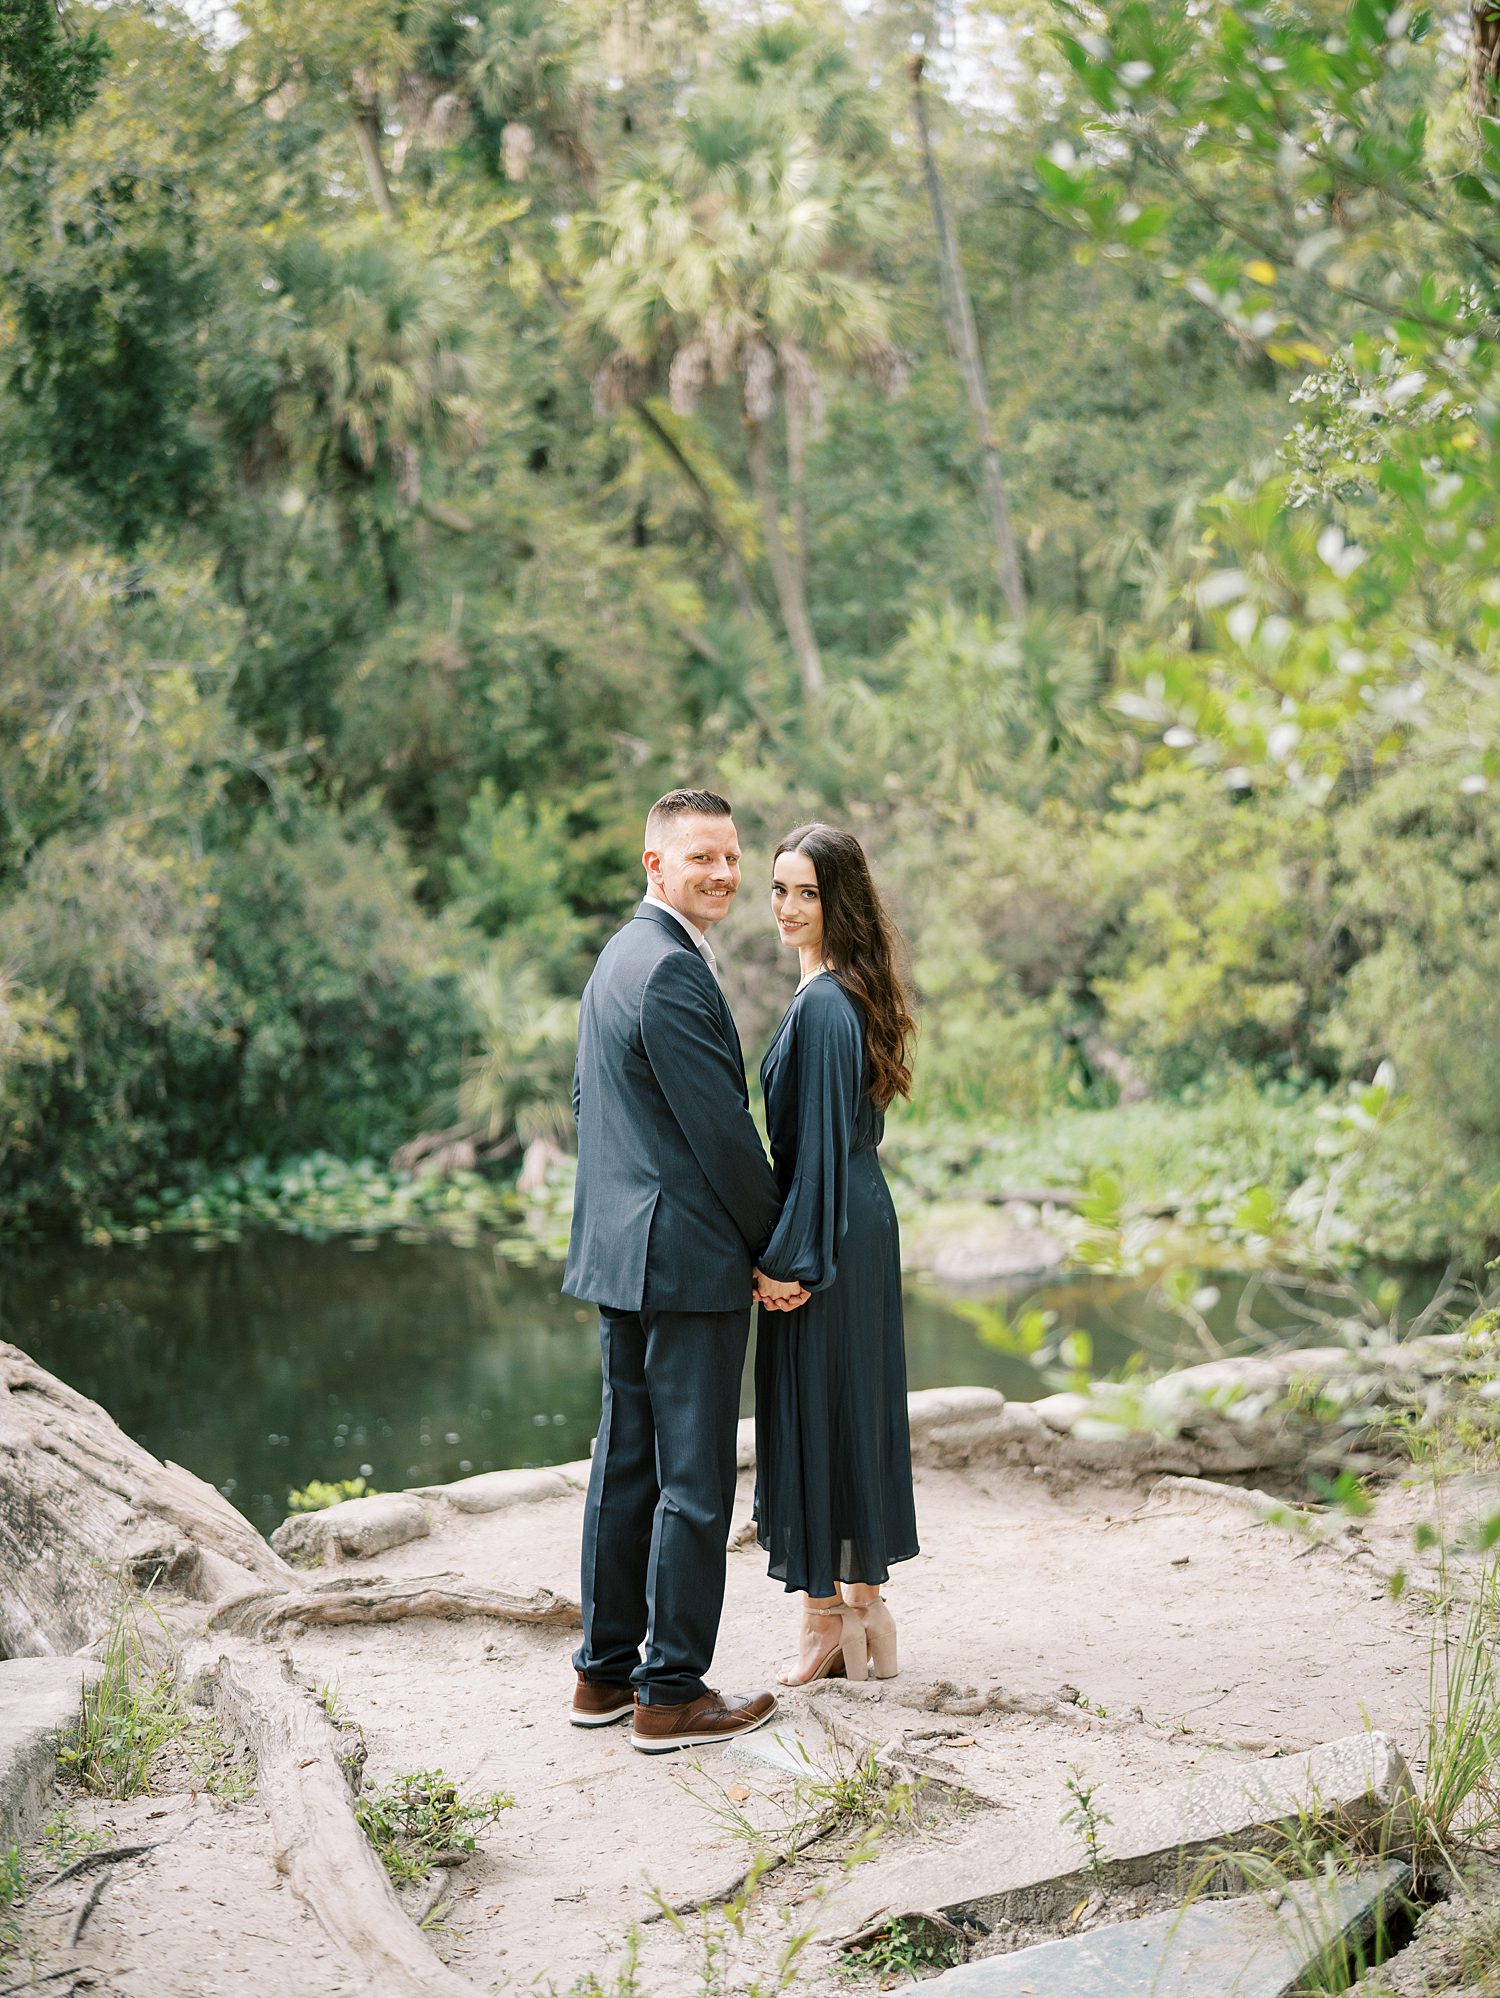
x,y
829,1065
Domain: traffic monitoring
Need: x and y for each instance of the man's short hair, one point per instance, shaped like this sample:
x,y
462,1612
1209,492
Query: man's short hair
x,y
678,805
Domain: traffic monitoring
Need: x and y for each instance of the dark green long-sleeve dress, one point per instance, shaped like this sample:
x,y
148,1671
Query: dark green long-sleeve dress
x,y
833,1452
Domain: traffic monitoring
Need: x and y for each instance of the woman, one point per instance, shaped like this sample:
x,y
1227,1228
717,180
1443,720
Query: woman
x,y
834,1501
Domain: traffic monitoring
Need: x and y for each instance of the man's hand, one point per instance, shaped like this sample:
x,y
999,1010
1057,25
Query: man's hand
x,y
776,1296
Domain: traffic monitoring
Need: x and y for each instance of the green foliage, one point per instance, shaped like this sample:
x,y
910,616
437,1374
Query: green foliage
x,y
423,1820
130,1713
47,72
319,1196
510,875
317,793
906,1947
1460,1796
324,953
1225,936
1083,1817
622,1982
319,1493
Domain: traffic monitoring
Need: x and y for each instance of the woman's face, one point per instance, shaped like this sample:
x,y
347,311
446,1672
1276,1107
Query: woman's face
x,y
795,902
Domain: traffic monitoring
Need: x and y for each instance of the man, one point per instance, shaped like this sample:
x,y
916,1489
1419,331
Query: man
x,y
674,1201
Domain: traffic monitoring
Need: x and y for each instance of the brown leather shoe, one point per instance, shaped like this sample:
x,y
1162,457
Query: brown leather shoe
x,y
699,1723
600,1706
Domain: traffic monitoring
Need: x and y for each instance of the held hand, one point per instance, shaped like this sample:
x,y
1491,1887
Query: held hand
x,y
778,1296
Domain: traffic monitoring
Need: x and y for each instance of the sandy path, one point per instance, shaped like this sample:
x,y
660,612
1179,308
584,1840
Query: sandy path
x,y
1193,1628
1216,1629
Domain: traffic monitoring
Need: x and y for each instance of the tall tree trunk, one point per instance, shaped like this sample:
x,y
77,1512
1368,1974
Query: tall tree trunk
x,y
1484,59
964,340
367,134
788,589
744,592
796,478
712,519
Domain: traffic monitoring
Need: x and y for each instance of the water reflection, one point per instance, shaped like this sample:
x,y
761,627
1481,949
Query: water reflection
x,y
264,1363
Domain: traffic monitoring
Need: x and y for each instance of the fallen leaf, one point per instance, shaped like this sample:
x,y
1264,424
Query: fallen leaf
x,y
1076,1912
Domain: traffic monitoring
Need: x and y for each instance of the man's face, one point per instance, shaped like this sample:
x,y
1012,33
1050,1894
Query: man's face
x,y
697,867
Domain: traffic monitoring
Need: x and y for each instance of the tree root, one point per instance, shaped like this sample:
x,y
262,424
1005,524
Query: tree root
x,y
111,1855
81,1503
317,1845
91,1901
374,1600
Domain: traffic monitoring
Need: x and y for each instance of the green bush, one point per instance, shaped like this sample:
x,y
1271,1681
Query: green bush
x,y
345,1014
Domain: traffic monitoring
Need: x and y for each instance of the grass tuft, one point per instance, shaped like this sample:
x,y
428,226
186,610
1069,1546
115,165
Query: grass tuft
x,y
422,1820
129,1713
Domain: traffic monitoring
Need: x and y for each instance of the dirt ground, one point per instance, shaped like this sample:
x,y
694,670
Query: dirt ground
x,y
1050,1628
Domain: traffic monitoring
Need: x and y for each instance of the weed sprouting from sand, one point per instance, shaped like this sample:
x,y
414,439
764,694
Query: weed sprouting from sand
x,y
422,1820
841,1792
63,1840
623,1983
1084,1817
129,1713
858,1793
224,1768
906,1947
133,1711
1459,1801
723,1935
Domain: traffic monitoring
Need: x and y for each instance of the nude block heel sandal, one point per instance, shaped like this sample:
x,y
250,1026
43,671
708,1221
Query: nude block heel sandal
x,y
829,1666
869,1637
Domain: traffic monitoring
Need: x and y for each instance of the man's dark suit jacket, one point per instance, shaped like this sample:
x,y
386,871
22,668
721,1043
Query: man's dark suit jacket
x,y
674,1197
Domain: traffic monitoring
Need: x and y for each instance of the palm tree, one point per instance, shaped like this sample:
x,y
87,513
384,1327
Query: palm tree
x,y
1484,59
963,337
729,257
504,72
369,380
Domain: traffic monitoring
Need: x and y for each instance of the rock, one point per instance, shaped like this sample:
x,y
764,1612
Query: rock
x,y
951,1426
1262,1373
1017,1420
1118,1455
965,1242
353,1530
1031,1871
39,1709
165,1560
1202,1951
1061,1412
1240,1498
496,1491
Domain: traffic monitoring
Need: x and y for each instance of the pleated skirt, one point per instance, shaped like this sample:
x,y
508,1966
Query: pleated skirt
x,y
833,1498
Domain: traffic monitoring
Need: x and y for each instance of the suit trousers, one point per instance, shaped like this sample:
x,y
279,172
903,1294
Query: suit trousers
x,y
661,1488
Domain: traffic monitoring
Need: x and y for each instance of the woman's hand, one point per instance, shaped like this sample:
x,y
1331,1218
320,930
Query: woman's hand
x,y
776,1296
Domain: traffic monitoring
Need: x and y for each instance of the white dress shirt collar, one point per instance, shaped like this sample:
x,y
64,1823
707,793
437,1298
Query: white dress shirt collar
x,y
695,936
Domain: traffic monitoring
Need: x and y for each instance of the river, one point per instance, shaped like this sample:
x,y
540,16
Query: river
x,y
263,1363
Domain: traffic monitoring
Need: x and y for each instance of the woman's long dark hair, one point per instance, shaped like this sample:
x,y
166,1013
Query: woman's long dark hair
x,y
862,947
